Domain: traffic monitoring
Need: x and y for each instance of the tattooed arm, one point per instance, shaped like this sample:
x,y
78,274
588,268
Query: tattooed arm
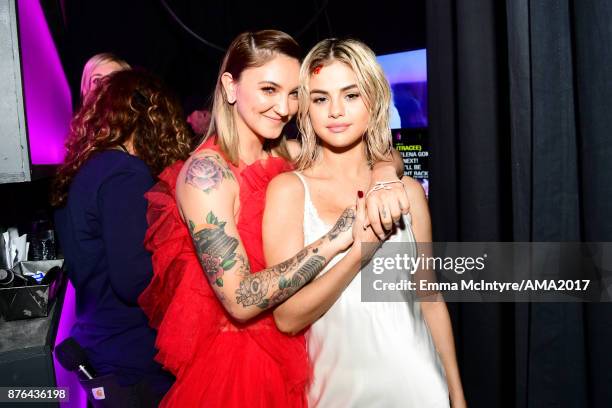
x,y
207,195
284,224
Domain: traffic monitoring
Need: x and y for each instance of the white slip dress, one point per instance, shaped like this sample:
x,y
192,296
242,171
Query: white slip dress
x,y
370,354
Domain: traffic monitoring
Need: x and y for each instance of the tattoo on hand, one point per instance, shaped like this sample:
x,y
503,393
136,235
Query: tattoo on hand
x,y
344,223
217,250
206,173
384,212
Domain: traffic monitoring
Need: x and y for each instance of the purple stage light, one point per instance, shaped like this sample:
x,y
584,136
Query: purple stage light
x,y
78,399
48,106
48,102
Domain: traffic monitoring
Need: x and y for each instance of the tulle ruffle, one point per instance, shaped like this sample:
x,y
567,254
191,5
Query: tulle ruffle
x,y
215,359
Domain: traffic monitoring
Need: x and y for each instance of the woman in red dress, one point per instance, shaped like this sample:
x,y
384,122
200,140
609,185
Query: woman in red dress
x,y
210,298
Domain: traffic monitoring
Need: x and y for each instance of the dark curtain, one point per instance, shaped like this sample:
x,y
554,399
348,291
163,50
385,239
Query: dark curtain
x,y
521,150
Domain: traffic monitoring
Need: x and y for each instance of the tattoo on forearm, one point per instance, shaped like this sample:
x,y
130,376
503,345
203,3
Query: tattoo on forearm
x,y
289,263
344,223
252,290
308,271
217,250
217,253
244,269
206,173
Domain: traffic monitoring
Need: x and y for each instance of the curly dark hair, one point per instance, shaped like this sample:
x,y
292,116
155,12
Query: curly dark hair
x,y
127,103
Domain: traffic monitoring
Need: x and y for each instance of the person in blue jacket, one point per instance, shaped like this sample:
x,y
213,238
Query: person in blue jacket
x,y
124,135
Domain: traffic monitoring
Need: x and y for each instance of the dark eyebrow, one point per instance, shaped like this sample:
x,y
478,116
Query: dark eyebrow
x,y
346,88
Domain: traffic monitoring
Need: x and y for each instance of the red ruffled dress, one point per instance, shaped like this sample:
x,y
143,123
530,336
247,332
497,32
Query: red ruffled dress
x,y
217,361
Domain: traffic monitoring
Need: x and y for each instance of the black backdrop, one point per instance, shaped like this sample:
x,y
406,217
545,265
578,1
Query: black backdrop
x,y
144,33
520,119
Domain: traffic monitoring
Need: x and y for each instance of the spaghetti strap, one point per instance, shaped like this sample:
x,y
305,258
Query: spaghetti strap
x,y
311,215
313,224
306,190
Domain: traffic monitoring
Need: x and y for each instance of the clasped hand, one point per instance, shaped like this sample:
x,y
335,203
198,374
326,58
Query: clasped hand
x,y
372,218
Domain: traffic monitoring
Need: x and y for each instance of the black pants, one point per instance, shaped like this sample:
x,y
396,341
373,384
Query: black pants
x,y
105,391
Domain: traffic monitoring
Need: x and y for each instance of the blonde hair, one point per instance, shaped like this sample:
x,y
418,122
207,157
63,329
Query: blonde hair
x,y
372,85
93,63
248,50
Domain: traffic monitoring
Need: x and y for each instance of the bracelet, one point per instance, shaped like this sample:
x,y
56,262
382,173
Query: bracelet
x,y
383,185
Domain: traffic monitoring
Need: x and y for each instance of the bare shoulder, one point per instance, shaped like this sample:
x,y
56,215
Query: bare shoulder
x,y
206,156
206,170
206,183
286,185
415,191
283,216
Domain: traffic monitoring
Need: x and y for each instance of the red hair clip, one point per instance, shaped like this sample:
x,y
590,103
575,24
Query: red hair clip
x,y
317,69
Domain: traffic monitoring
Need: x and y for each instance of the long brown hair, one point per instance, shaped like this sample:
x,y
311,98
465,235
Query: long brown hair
x,y
127,103
248,50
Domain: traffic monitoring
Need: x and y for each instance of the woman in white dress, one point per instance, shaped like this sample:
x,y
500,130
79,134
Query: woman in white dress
x,y
395,354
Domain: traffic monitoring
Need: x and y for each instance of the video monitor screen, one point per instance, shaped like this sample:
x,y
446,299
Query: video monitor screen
x,y
407,75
